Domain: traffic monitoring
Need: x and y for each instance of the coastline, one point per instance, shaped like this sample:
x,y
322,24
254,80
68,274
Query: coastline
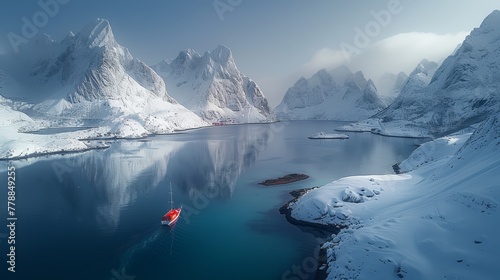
x,y
322,260
60,152
384,220
70,142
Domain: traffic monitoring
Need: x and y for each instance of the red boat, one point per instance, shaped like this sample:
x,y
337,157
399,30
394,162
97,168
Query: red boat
x,y
171,216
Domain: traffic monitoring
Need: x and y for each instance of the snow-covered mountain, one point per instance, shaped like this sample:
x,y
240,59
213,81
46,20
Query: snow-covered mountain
x,y
418,79
390,84
88,78
211,86
348,96
464,90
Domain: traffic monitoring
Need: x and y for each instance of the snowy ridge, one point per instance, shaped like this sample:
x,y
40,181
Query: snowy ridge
x,y
464,89
320,97
89,79
211,86
384,124
436,221
420,77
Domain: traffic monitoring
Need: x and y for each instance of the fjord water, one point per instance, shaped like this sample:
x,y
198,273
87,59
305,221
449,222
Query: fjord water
x,y
96,215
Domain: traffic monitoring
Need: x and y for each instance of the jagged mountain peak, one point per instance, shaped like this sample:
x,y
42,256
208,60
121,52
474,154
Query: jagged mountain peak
x,y
322,76
483,38
463,90
400,78
426,67
492,21
322,72
301,80
86,66
186,55
222,55
356,81
183,58
89,78
322,97
473,63
211,63
359,78
98,33
213,87
419,78
370,84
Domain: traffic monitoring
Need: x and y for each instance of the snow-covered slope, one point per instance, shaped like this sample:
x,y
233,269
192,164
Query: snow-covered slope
x,y
419,78
438,221
464,89
88,78
211,86
320,97
15,143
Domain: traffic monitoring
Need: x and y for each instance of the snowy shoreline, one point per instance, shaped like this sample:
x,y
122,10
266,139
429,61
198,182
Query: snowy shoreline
x,y
400,129
430,221
61,152
17,143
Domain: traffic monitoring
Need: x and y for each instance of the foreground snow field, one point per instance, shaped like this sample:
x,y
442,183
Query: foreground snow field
x,y
437,221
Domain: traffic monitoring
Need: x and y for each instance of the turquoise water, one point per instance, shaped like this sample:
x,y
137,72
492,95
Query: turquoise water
x,y
96,215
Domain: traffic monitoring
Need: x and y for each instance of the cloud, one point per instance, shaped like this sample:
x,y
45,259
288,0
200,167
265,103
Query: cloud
x,y
323,58
400,52
403,51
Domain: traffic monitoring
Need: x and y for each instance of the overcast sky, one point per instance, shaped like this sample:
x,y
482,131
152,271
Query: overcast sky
x,y
273,41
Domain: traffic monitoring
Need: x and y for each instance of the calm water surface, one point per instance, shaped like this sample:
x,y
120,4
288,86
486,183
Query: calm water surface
x,y
96,215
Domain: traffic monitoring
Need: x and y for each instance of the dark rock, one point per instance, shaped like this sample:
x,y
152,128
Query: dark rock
x,y
290,178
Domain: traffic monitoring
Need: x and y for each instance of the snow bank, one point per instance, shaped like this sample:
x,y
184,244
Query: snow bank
x,y
438,221
395,128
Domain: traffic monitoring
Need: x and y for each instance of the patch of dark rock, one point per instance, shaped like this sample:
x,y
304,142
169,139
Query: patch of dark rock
x,y
396,168
290,178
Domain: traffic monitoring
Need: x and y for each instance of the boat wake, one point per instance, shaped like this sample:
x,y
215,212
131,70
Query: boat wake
x,y
157,245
